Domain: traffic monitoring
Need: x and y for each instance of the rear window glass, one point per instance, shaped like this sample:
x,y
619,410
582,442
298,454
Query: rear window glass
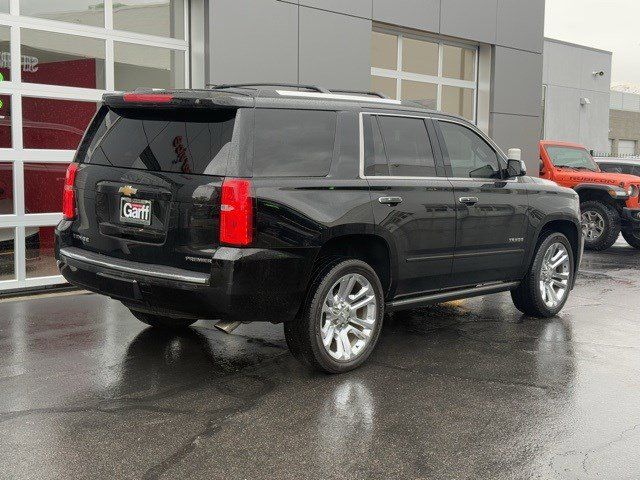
x,y
292,143
182,141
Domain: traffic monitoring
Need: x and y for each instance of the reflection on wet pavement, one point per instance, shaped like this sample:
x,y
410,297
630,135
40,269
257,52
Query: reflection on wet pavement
x,y
469,389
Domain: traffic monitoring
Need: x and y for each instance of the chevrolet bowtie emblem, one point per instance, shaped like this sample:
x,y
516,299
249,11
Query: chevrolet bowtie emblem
x,y
127,190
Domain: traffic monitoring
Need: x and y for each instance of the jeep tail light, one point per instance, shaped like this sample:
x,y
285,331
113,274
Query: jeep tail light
x,y
236,212
69,192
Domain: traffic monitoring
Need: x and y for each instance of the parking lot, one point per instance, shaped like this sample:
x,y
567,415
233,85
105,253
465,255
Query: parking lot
x,y
461,390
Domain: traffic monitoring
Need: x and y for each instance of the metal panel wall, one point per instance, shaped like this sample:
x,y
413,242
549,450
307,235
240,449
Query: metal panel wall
x,y
418,14
471,20
521,24
253,40
357,8
341,58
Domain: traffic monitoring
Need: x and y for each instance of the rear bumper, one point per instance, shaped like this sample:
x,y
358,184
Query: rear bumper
x,y
244,284
631,218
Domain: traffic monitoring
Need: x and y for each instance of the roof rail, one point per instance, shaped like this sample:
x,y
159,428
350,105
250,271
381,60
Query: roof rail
x,y
361,92
274,84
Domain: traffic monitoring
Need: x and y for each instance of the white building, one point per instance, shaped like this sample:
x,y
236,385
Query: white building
x,y
576,88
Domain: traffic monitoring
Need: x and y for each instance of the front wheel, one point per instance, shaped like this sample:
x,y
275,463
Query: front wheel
x,y
341,319
545,288
600,225
632,238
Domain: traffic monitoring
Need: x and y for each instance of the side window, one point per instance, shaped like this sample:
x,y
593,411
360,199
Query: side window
x,y
470,155
407,146
376,158
636,170
293,143
610,168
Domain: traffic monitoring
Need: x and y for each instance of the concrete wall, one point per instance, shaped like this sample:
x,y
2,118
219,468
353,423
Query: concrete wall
x,y
329,42
568,73
624,125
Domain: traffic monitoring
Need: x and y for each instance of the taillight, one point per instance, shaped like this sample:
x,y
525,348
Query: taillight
x,y
69,193
236,212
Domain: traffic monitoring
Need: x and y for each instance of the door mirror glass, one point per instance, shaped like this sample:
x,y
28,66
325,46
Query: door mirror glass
x,y
516,168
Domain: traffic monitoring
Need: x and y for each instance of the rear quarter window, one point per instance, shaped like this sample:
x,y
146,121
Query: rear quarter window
x,y
293,143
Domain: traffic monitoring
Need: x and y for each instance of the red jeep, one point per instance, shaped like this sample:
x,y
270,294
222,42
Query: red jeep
x,y
609,201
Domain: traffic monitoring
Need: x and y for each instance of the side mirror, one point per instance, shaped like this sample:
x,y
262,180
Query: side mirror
x,y
515,166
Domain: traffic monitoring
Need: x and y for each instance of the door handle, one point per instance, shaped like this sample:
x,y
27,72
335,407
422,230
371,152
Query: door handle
x,y
469,200
390,200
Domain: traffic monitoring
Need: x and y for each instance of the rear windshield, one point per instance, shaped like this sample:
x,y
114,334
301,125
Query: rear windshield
x,y
293,143
169,140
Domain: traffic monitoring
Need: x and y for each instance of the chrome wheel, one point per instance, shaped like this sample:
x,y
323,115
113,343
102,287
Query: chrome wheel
x,y
592,225
349,314
554,276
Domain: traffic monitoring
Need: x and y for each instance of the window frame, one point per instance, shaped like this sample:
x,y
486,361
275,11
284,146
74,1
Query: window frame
x,y
431,135
439,80
500,156
432,143
441,165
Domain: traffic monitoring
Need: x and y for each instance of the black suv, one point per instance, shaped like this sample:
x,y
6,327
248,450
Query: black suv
x,y
322,210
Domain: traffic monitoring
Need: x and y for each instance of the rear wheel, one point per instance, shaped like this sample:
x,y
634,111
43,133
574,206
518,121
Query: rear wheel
x,y
341,320
545,288
632,238
600,225
160,321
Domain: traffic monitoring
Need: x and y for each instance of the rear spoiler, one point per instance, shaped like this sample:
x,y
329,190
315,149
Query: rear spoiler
x,y
178,99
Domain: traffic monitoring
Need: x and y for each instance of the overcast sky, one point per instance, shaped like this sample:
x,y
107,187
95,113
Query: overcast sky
x,y
612,25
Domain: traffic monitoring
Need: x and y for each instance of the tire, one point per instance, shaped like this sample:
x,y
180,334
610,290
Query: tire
x,y
159,321
611,220
632,238
304,334
528,296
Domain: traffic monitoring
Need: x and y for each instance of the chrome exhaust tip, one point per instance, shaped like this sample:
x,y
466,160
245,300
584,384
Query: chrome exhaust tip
x,y
227,326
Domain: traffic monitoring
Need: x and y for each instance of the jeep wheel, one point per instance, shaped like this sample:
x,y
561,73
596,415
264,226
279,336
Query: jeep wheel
x,y
632,238
160,321
545,288
341,319
600,225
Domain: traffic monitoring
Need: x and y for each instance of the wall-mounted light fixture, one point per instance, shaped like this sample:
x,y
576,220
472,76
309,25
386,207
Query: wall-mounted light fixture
x,y
598,73
584,101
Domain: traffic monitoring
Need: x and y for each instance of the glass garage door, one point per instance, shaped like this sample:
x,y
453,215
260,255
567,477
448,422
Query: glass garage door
x,y
626,147
439,74
57,58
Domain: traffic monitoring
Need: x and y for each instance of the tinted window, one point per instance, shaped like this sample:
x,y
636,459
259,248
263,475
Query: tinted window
x,y
376,161
613,168
610,167
293,143
406,143
636,170
185,141
469,154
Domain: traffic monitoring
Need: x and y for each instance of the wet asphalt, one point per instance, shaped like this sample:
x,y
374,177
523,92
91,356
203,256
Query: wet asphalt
x,y
470,389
